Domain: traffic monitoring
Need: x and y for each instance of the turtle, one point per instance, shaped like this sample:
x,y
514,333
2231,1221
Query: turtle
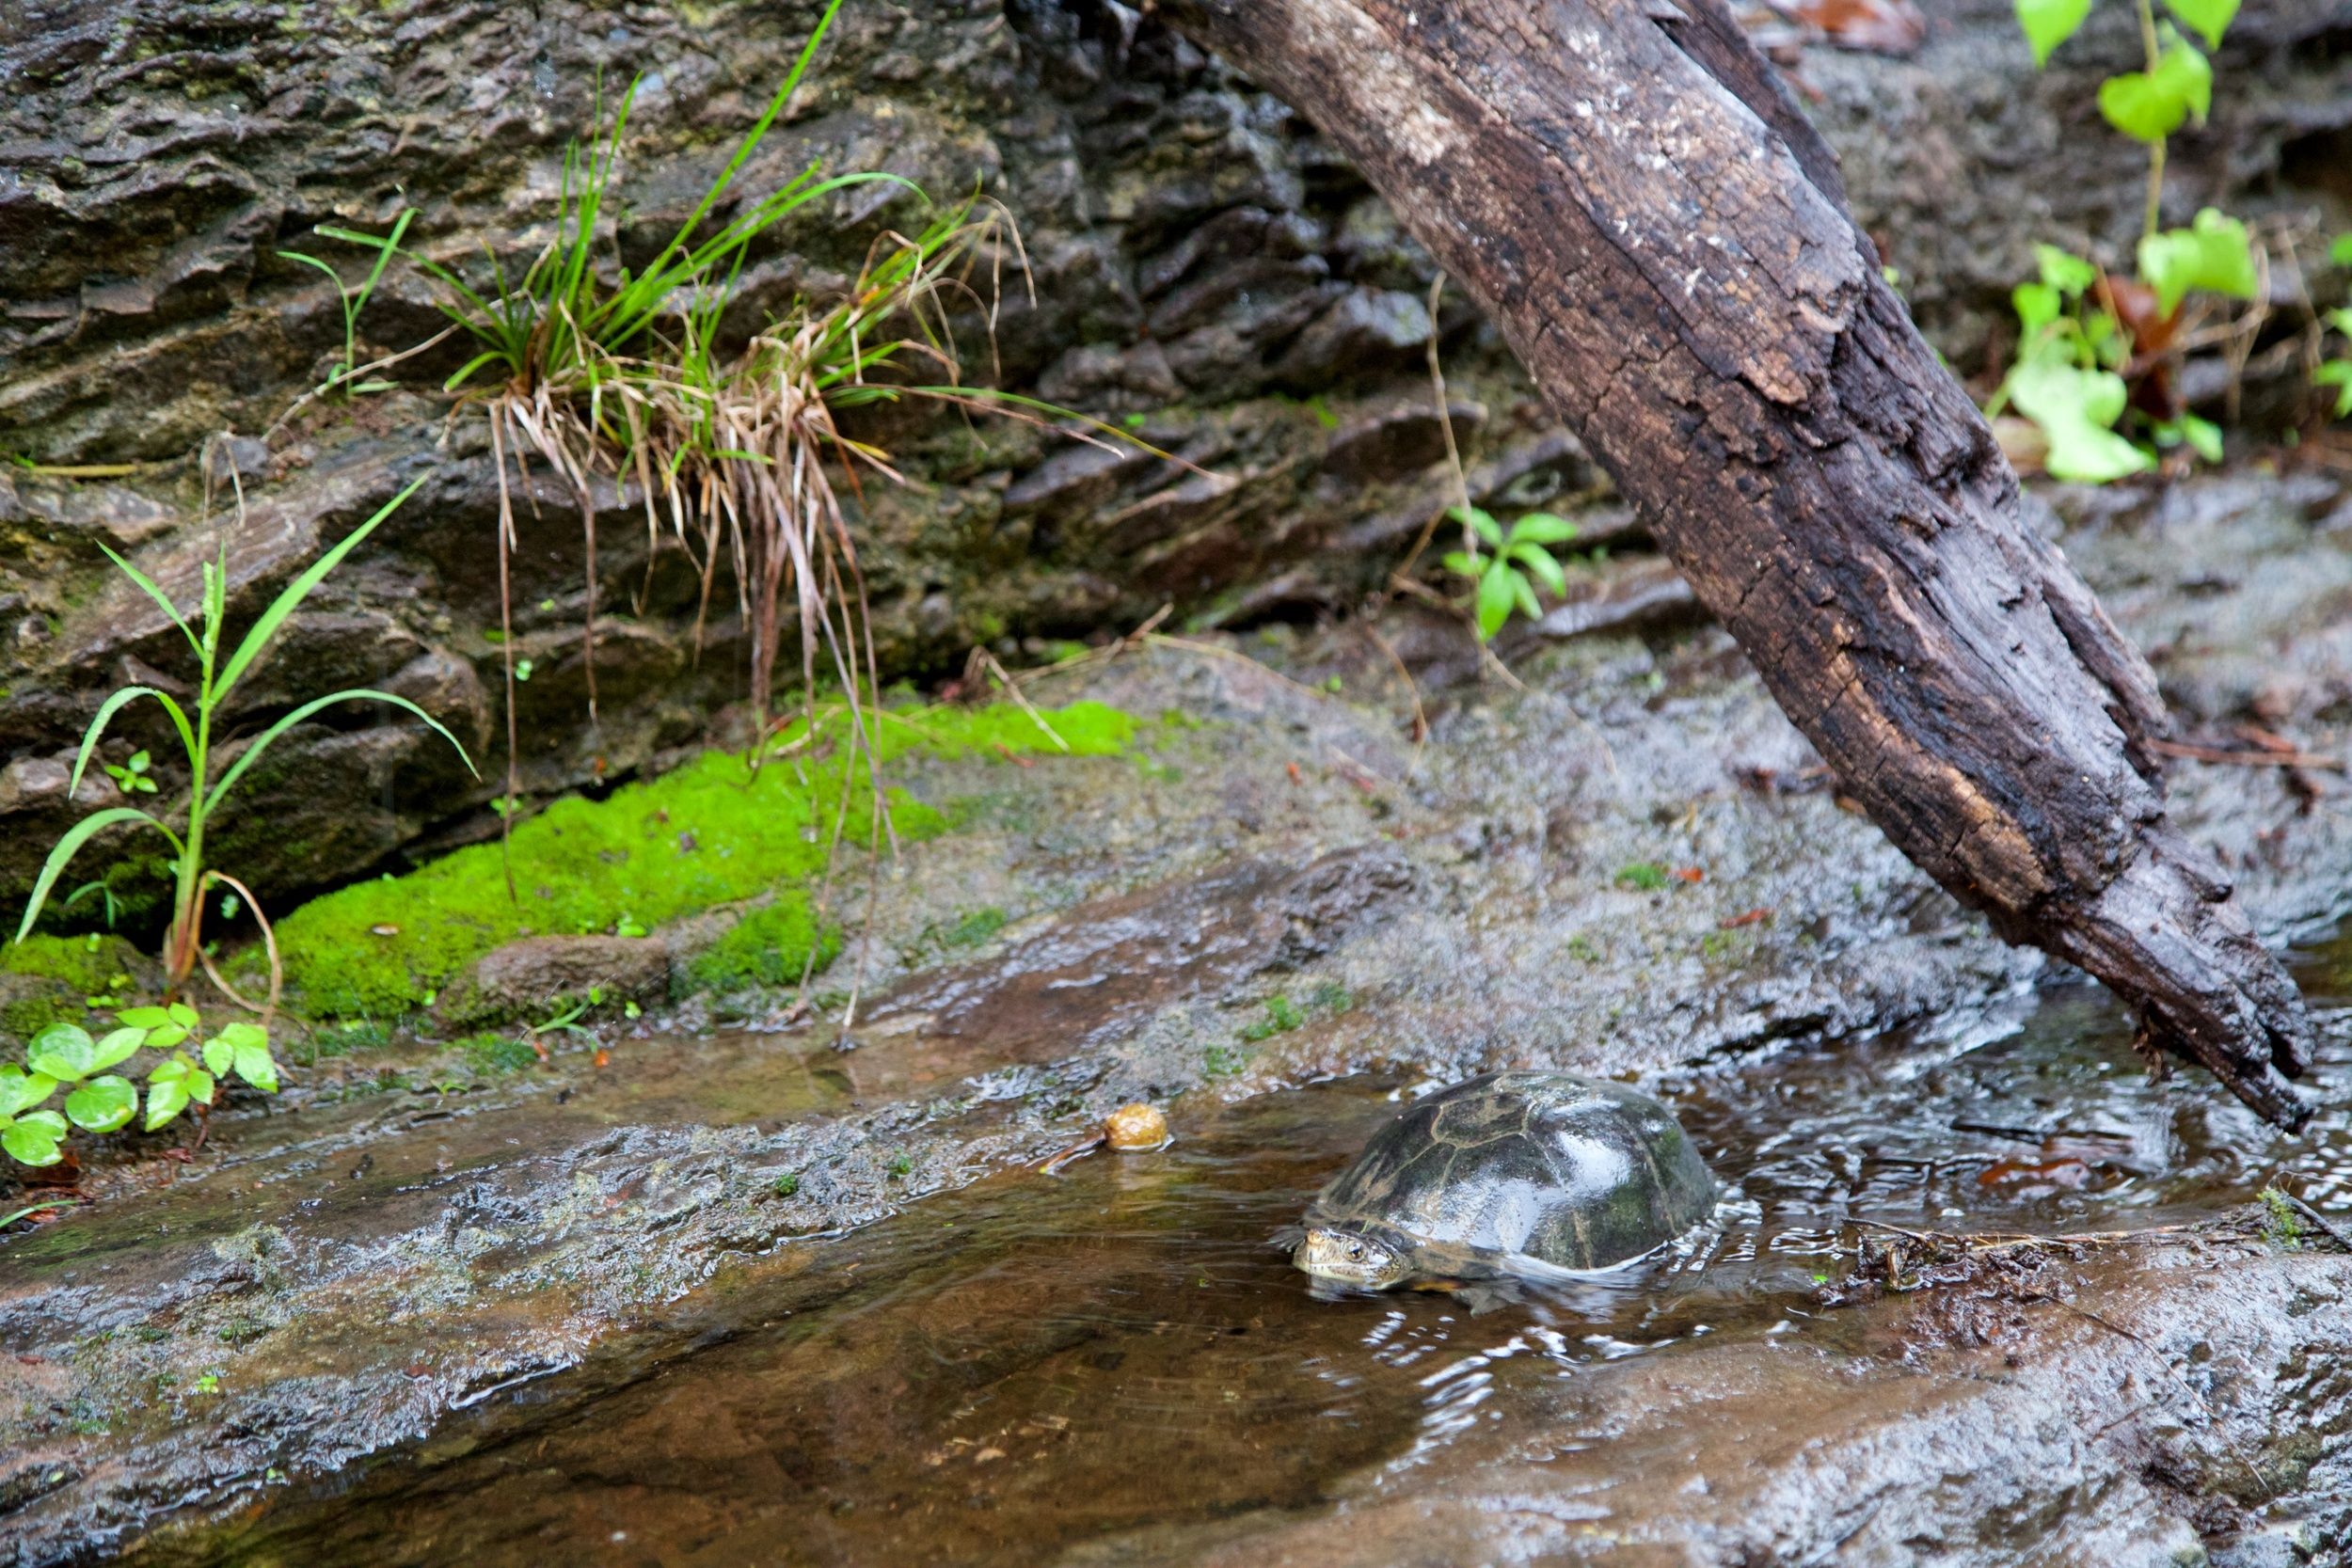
x,y
1507,1176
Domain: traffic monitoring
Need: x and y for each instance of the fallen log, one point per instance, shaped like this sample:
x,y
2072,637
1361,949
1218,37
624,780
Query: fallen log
x,y
1628,191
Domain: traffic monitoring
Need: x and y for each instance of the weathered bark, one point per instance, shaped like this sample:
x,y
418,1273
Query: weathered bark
x,y
1627,190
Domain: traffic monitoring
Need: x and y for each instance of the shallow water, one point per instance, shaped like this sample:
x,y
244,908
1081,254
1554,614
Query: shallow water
x,y
1071,1367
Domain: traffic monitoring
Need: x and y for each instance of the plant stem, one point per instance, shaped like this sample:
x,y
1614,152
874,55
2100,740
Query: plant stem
x,y
2153,218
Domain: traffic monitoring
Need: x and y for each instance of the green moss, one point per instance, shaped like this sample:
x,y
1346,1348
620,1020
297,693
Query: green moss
x,y
83,964
973,928
493,1053
711,832
770,946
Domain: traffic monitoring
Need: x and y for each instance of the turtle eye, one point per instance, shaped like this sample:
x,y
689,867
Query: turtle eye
x,y
1356,1251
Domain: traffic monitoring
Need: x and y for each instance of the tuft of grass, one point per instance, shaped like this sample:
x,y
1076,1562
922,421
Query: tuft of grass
x,y
1642,876
1282,1017
712,832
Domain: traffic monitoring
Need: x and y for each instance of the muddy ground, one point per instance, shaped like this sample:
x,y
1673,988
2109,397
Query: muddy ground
x,y
334,1275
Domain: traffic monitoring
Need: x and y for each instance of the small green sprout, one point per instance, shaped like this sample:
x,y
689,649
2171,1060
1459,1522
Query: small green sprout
x,y
1517,553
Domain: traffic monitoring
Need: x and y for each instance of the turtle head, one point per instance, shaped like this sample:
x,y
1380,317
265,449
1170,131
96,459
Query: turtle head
x,y
1351,1258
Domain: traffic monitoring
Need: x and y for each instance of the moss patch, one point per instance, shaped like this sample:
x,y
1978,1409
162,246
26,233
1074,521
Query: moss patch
x,y
81,964
770,946
710,832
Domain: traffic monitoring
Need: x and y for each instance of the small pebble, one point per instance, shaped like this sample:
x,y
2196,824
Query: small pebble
x,y
1136,1127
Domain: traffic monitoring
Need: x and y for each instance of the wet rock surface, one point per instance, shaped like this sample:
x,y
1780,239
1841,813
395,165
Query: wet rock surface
x,y
1630,868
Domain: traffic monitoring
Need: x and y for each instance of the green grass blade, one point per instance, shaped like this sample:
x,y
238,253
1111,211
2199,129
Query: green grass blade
x,y
300,590
758,131
157,594
361,695
384,255
114,705
332,276
71,844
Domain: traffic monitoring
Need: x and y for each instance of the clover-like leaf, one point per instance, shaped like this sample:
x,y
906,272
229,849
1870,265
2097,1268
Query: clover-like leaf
x,y
103,1104
62,1051
2077,410
218,1055
2150,105
2036,304
116,1046
32,1140
199,1084
2048,23
166,1036
2064,270
2214,254
2207,19
182,1014
20,1091
165,1101
171,1070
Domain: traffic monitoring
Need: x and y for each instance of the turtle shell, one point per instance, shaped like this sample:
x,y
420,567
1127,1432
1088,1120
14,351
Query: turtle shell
x,y
1570,1171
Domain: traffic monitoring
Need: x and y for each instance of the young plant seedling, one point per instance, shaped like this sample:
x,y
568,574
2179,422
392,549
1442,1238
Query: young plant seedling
x,y
66,1053
1520,552
2094,346
354,301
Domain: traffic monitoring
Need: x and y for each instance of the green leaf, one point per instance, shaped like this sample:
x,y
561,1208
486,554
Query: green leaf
x,y
63,1052
2150,105
20,1091
2214,255
117,1045
2337,373
252,753
1525,594
2069,274
199,1084
219,1055
1542,528
103,1104
2207,19
1538,561
167,1036
1480,522
180,1014
2202,436
2048,23
2038,305
170,1069
68,846
1461,564
295,592
147,586
32,1141
255,1066
165,1101
2077,410
1495,594
142,1018
2340,250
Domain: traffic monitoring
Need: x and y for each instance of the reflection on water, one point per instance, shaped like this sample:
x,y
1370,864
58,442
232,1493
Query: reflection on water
x,y
1038,1367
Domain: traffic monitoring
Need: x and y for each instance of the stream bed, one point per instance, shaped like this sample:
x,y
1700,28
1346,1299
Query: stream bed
x,y
1113,1366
